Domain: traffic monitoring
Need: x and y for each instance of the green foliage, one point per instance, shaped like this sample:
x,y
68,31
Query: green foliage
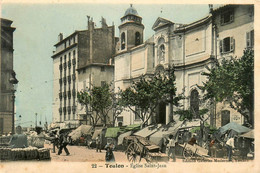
x,y
233,81
144,95
99,99
188,115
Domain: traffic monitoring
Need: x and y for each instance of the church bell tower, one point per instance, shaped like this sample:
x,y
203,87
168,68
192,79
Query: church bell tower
x,y
131,29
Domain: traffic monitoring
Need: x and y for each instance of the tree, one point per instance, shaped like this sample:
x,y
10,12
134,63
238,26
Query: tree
x,y
117,105
145,94
232,81
100,101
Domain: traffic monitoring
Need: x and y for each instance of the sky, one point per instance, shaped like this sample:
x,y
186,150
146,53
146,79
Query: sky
x,y
37,28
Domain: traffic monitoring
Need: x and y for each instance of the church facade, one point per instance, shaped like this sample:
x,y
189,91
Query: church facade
x,y
191,48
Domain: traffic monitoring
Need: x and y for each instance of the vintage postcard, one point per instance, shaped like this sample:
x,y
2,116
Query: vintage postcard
x,y
129,86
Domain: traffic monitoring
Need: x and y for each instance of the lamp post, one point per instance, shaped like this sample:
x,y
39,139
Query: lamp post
x,y
14,82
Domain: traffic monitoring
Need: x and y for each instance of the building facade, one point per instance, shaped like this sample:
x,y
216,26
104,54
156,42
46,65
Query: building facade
x,y
7,72
75,63
191,48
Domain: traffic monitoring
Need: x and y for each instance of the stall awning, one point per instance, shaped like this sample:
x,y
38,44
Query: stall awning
x,y
81,130
121,137
132,127
235,127
165,131
248,135
96,132
149,130
112,132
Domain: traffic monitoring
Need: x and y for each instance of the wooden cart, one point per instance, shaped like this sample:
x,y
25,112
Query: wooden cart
x,y
138,147
194,152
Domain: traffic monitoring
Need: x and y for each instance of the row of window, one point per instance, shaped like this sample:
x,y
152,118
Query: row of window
x,y
73,41
68,93
68,78
228,44
67,64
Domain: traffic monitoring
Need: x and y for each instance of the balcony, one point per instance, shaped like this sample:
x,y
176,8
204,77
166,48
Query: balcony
x,y
64,95
69,64
73,92
64,80
74,77
64,65
74,61
60,95
64,110
69,94
60,67
60,111
69,79
69,109
74,109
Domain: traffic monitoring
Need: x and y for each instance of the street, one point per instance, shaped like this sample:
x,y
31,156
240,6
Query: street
x,y
83,154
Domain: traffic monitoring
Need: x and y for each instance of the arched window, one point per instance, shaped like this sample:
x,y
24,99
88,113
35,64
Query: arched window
x,y
225,117
194,103
123,41
137,38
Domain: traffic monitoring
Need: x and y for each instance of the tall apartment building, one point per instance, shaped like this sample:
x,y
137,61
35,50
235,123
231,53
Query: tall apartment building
x,y
7,72
73,61
225,32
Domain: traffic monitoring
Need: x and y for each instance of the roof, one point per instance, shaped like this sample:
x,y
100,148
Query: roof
x,y
131,11
194,24
160,22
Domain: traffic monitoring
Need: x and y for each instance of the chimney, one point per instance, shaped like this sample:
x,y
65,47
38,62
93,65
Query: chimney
x,y
60,37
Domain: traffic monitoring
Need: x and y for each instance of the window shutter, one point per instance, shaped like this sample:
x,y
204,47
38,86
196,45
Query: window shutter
x,y
231,16
248,39
220,46
232,44
252,38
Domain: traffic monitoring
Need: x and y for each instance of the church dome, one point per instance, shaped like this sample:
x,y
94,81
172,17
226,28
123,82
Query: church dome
x,y
131,11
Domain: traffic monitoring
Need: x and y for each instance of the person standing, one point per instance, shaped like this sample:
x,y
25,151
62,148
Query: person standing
x,y
193,140
171,148
230,146
109,153
98,143
63,142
